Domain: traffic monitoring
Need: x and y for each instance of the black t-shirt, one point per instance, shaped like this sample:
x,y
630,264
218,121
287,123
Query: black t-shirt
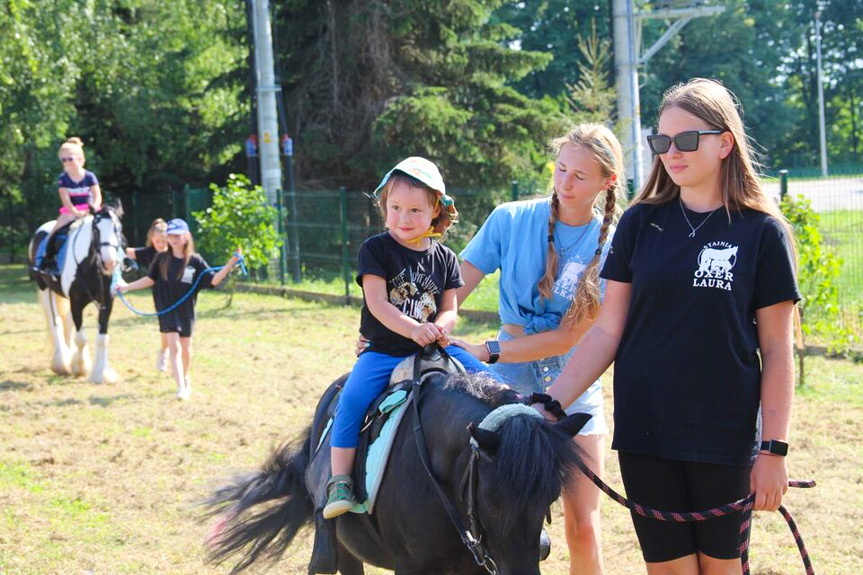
x,y
145,256
415,280
180,278
687,375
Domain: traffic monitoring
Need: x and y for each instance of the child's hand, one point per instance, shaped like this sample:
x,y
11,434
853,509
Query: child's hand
x,y
121,286
426,333
444,339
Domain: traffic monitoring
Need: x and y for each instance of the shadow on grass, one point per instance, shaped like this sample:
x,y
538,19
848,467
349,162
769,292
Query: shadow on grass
x,y
10,385
108,401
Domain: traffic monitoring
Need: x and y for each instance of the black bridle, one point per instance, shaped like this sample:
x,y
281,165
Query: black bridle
x,y
95,256
472,537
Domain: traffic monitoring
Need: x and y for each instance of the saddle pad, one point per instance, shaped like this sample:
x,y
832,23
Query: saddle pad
x,y
378,452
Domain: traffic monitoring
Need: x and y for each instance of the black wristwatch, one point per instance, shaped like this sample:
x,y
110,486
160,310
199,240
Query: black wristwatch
x,y
775,447
493,347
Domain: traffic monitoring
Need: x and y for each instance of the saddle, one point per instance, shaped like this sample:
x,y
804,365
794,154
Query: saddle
x,y
377,435
51,252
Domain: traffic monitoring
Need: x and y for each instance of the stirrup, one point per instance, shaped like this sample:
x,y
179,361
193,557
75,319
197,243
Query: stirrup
x,y
340,498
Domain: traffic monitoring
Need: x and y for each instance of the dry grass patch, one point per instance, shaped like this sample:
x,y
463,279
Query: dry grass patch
x,y
102,479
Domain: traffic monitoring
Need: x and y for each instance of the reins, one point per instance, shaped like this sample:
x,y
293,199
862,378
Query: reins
x,y
472,537
184,297
743,506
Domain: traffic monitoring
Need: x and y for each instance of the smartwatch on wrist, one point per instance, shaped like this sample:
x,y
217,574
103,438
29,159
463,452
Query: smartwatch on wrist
x,y
493,347
775,447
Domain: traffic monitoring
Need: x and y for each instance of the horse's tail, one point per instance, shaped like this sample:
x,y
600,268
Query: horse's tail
x,y
267,532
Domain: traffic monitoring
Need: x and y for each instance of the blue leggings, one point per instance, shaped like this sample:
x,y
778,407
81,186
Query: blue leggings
x,y
367,380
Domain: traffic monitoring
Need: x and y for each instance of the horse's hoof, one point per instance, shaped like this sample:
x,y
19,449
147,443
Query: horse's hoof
x,y
108,376
61,368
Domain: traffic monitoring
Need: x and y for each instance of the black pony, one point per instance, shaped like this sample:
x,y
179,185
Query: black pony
x,y
502,487
94,248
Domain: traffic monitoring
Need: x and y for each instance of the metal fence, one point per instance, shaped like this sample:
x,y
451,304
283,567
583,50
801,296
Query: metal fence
x,y
326,229
332,225
838,201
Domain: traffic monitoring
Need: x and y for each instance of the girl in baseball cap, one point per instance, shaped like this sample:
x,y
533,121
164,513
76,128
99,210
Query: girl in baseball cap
x,y
421,173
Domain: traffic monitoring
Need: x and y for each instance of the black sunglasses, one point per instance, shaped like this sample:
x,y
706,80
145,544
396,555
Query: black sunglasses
x,y
684,141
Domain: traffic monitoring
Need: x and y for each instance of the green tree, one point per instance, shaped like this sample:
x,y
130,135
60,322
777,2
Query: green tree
x,y
374,81
240,216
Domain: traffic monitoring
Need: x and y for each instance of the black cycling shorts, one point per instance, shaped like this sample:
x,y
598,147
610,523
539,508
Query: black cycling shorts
x,y
669,485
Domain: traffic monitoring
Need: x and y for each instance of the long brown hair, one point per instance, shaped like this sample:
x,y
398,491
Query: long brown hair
x,y
603,144
164,258
740,184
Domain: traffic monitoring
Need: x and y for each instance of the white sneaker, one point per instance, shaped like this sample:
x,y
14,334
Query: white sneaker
x,y
184,393
162,360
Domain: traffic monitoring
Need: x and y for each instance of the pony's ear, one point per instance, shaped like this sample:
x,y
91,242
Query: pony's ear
x,y
487,440
117,204
572,424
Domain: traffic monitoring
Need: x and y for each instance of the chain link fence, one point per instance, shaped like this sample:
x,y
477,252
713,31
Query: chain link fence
x,y
324,229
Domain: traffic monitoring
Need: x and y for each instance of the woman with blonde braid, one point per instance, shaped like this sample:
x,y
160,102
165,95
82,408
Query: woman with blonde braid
x,y
549,252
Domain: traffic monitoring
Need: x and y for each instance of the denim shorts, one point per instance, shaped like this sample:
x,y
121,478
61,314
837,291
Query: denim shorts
x,y
536,376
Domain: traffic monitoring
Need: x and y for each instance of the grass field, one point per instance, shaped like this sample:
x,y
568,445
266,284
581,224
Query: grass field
x,y
102,479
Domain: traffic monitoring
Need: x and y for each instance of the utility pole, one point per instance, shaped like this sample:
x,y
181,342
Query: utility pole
x,y
822,129
628,103
268,120
627,23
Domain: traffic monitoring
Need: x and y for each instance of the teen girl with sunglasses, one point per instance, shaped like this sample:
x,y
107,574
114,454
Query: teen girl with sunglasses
x,y
698,318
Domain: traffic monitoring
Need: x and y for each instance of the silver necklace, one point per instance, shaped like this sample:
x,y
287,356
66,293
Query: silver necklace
x,y
694,229
564,251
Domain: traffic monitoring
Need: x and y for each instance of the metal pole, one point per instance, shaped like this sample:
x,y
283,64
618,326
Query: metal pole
x,y
513,190
288,150
783,183
281,231
268,131
822,130
343,216
626,73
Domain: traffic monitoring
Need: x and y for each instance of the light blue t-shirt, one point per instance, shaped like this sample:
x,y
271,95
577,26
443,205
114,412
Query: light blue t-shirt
x,y
514,238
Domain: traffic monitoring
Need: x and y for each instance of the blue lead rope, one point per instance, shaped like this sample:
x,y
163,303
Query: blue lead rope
x,y
118,274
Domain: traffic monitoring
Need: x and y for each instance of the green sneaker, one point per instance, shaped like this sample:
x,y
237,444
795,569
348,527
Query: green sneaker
x,y
340,499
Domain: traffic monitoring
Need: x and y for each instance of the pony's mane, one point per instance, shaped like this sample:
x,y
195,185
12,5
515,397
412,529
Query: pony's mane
x,y
484,388
534,459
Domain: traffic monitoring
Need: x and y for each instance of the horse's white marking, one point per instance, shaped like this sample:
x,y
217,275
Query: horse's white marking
x,y
77,250
81,364
102,370
61,357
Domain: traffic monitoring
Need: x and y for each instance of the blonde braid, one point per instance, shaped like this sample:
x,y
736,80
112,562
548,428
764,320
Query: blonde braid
x,y
585,301
546,284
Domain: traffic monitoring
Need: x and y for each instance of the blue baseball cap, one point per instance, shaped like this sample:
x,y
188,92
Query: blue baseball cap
x,y
177,226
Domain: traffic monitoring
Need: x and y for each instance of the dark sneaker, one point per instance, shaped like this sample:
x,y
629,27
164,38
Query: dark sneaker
x,y
340,496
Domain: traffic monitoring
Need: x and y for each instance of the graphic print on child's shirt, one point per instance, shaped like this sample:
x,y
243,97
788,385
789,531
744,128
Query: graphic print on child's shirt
x,y
714,266
413,293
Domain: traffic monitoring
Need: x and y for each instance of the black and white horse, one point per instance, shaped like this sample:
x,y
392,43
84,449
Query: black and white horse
x,y
93,250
